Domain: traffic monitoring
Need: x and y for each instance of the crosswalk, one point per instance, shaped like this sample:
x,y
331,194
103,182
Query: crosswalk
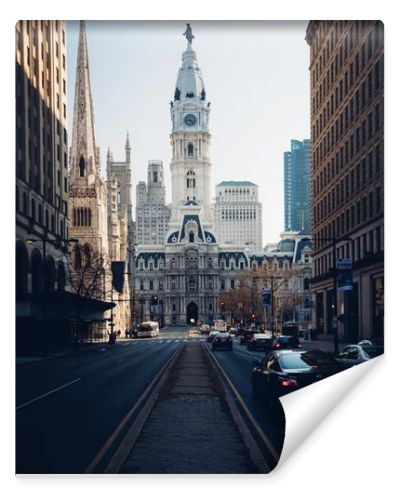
x,y
173,340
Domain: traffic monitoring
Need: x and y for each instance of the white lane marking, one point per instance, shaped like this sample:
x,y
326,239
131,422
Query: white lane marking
x,y
176,340
48,393
168,341
120,360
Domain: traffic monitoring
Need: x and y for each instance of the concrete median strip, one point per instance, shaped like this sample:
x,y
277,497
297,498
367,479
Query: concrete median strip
x,y
189,424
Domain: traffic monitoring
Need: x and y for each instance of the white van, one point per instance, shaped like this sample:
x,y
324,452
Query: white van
x,y
148,329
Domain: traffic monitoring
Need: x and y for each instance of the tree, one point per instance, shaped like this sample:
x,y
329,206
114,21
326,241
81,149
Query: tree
x,y
90,277
89,272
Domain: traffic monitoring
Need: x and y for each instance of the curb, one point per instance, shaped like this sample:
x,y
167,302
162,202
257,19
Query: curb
x,y
254,450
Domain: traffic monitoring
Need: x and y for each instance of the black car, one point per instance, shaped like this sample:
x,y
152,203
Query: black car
x,y
282,372
222,340
258,342
246,335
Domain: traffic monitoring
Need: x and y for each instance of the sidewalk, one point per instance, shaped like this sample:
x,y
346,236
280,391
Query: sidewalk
x,y
190,429
82,347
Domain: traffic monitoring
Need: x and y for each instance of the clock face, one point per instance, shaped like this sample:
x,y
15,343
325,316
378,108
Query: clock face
x,y
190,120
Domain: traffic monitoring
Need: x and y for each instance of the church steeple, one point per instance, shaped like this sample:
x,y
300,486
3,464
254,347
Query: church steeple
x,y
84,158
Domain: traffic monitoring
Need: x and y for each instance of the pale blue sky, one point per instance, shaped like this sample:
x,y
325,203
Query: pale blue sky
x,y
256,77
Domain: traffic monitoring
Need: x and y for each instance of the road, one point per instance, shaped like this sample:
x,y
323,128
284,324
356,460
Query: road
x,y
67,407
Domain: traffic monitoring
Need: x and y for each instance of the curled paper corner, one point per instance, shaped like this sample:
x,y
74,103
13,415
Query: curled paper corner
x,y
305,409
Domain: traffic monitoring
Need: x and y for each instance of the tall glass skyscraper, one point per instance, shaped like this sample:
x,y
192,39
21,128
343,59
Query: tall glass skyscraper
x,y
297,179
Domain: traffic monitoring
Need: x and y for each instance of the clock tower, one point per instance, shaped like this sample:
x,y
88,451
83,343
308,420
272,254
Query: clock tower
x,y
190,141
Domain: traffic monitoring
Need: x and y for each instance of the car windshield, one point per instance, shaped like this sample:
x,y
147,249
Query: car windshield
x,y
293,361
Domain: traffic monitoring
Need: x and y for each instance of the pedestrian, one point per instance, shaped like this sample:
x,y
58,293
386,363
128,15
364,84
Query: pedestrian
x,y
127,332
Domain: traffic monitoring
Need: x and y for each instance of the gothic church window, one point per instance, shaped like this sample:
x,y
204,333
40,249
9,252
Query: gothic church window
x,y
82,167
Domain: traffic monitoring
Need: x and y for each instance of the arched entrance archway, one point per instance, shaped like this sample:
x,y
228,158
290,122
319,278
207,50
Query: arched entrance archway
x,y
192,313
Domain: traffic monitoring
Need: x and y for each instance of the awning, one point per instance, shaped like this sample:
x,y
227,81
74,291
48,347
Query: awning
x,y
61,305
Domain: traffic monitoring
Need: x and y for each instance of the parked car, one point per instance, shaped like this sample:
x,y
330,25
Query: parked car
x,y
355,354
282,372
222,340
246,336
211,335
258,342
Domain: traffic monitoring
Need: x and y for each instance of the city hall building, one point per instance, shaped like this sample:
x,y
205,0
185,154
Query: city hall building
x,y
181,279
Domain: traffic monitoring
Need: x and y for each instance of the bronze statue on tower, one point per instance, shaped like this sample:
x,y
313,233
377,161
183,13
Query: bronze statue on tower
x,y
188,33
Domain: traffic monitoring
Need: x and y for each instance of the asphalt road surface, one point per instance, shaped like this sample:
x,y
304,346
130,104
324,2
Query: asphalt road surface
x,y
67,407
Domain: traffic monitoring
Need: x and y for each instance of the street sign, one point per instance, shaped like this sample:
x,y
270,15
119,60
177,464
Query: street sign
x,y
344,274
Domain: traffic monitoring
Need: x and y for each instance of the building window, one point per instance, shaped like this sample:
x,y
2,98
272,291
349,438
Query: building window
x,y
209,263
192,284
141,285
232,283
82,167
190,179
191,237
151,285
33,210
190,149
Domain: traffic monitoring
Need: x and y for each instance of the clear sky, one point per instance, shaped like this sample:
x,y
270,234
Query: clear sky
x,y
256,77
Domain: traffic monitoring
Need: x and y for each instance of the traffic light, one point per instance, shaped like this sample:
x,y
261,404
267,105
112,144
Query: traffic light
x,y
154,300
222,305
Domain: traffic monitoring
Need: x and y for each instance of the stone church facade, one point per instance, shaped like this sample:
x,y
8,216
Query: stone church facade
x,y
100,209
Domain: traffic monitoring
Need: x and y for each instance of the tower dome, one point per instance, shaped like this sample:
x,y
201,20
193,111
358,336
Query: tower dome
x,y
189,84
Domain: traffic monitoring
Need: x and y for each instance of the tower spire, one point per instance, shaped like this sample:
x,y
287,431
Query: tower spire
x,y
84,157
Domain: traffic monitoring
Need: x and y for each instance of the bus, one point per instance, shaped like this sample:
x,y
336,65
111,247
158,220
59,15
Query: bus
x,y
220,325
148,329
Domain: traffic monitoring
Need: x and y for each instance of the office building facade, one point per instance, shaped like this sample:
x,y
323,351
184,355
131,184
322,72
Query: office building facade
x,y
346,66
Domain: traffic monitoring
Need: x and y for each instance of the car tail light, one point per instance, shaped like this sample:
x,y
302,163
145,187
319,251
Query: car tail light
x,y
288,382
277,344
